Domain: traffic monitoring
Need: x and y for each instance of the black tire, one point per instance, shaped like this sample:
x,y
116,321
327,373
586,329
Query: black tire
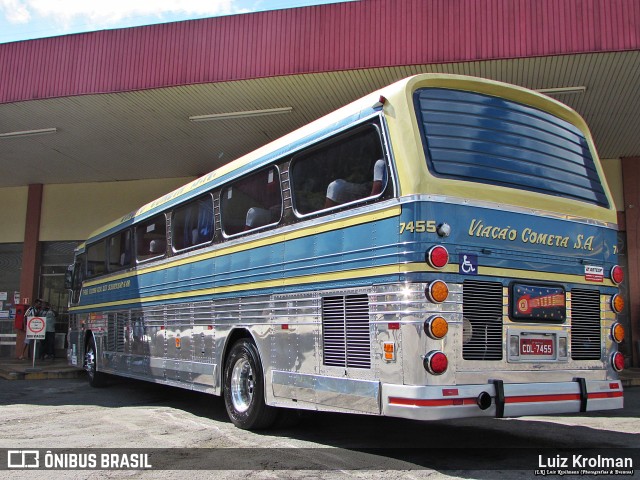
x,y
244,388
96,379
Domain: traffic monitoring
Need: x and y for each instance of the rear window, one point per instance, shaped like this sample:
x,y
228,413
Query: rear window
x,y
480,138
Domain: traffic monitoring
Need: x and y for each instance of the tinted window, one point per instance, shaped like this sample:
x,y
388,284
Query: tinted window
x,y
480,138
96,259
120,251
192,224
151,238
343,170
251,202
78,277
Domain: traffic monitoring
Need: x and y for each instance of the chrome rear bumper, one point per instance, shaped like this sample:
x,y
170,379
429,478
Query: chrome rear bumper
x,y
506,399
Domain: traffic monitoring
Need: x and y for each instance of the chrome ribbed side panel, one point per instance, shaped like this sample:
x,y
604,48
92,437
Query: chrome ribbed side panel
x,y
357,331
345,331
120,330
482,320
111,332
585,325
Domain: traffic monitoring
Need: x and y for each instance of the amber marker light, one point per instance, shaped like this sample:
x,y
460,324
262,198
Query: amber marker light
x,y
437,291
617,303
617,332
437,257
389,351
617,274
436,327
617,360
436,363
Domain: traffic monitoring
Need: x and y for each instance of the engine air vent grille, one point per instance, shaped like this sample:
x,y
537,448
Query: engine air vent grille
x,y
585,325
345,331
482,320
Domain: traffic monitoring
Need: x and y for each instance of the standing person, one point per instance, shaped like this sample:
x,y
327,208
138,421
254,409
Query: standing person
x,y
20,325
50,332
34,310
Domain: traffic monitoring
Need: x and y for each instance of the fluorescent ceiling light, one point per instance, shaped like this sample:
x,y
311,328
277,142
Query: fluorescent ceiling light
x,y
28,133
246,113
561,90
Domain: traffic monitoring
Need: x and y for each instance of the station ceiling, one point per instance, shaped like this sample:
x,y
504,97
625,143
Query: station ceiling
x,y
146,133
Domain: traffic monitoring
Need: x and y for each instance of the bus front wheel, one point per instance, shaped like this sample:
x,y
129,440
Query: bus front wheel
x,y
244,388
96,379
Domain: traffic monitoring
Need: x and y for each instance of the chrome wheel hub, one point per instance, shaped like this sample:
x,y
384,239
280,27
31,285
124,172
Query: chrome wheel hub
x,y
90,360
242,385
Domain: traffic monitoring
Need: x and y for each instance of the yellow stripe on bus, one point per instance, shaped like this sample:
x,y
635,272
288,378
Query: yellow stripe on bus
x,y
281,282
542,276
352,274
263,242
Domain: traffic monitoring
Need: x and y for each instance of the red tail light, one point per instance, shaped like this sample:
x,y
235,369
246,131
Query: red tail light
x,y
617,274
437,257
436,363
617,360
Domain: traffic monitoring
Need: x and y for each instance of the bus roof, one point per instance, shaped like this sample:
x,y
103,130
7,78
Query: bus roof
x,y
332,122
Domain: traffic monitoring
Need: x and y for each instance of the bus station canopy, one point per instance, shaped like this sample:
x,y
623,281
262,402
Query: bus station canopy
x,y
181,99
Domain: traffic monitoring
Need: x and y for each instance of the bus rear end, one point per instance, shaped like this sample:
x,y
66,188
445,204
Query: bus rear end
x,y
508,229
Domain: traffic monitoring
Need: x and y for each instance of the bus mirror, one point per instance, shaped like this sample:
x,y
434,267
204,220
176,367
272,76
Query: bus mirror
x,y
68,278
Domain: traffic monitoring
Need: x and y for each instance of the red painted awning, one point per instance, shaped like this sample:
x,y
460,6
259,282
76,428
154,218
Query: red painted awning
x,y
343,36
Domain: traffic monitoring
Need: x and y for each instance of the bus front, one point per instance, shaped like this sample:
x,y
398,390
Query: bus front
x,y
509,238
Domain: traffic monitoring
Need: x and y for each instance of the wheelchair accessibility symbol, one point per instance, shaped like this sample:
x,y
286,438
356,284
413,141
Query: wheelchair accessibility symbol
x,y
468,264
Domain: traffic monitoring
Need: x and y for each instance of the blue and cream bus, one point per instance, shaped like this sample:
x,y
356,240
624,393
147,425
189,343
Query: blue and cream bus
x,y
442,248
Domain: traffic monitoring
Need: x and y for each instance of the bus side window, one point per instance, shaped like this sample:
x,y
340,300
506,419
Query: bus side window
x,y
96,259
192,224
251,202
342,170
151,238
78,278
120,251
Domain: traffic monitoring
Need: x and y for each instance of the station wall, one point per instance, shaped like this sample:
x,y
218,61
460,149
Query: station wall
x,y
73,211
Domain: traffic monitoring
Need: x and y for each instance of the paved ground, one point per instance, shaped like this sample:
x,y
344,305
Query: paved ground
x,y
66,413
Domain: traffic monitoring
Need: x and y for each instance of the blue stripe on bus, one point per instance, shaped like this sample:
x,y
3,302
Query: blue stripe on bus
x,y
379,244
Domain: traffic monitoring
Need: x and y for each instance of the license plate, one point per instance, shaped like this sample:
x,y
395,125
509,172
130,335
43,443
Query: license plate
x,y
536,346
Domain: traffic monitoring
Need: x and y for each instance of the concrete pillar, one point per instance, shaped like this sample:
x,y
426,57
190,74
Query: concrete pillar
x,y
30,254
31,249
631,186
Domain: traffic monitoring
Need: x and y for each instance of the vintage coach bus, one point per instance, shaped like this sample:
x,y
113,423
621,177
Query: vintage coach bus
x,y
444,247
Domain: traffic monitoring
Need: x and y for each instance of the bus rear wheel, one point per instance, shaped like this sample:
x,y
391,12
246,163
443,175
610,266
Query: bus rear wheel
x,y
96,379
244,388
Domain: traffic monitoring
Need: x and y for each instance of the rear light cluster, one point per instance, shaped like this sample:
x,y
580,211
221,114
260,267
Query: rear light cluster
x,y
617,360
437,291
436,327
617,274
437,257
436,363
617,303
617,330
